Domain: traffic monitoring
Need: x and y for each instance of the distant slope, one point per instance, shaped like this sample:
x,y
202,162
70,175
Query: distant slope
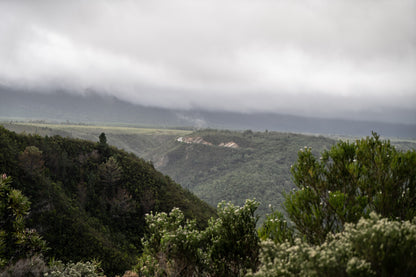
x,y
91,108
234,166
89,199
228,165
259,167
140,141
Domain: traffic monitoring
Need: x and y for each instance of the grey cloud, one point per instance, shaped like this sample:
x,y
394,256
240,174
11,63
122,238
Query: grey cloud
x,y
324,58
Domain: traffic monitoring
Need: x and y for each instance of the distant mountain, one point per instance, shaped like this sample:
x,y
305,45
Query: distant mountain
x,y
93,108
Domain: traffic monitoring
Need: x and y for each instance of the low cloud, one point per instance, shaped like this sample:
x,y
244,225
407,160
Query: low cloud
x,y
322,58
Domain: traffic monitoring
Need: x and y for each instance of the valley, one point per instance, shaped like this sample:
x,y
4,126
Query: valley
x,y
215,165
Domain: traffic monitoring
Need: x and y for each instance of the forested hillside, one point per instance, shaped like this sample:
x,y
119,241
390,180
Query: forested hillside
x,y
257,166
352,212
88,200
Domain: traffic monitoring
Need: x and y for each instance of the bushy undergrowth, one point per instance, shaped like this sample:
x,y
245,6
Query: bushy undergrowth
x,y
372,247
229,246
35,266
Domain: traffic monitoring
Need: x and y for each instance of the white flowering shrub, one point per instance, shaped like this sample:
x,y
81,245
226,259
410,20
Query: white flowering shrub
x,y
79,269
28,266
276,228
372,247
174,246
233,243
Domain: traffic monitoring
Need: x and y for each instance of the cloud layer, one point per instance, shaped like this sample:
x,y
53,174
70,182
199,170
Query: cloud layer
x,y
323,58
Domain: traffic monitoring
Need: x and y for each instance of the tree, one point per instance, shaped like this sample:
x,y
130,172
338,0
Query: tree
x,y
110,174
349,182
16,241
31,161
103,139
103,147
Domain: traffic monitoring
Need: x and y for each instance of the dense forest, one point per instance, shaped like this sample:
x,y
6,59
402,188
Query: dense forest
x,y
93,210
257,167
88,200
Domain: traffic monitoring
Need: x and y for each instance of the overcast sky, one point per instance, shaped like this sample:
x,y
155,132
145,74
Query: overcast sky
x,y
323,58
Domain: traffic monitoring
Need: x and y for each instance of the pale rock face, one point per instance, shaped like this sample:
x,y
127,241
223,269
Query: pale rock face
x,y
230,144
200,140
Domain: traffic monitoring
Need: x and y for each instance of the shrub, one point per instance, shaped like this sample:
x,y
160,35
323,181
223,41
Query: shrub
x,y
30,266
349,182
79,269
372,247
174,246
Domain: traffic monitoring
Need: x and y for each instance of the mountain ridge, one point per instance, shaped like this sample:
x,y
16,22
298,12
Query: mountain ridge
x,y
93,108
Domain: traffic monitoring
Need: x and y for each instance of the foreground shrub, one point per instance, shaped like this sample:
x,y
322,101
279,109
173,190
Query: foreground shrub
x,y
372,247
174,246
348,182
30,266
79,269
19,246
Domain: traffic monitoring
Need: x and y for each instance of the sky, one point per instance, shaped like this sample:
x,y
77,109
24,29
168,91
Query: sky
x,y
324,58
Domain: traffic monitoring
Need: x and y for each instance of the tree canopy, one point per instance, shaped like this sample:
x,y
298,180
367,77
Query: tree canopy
x,y
348,182
89,200
353,214
16,240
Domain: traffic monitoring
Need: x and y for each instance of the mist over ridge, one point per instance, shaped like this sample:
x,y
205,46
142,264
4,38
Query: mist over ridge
x,y
94,108
351,60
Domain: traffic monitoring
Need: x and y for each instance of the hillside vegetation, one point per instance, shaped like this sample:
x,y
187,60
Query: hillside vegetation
x,y
352,213
258,166
89,200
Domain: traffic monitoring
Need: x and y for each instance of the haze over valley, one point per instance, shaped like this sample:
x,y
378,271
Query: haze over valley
x,y
62,107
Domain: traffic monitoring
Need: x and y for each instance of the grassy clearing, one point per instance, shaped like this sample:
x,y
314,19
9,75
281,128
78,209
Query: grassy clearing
x,y
144,142
95,128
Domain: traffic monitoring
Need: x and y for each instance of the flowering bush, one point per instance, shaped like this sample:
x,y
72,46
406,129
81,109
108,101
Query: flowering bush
x,y
175,247
79,269
372,247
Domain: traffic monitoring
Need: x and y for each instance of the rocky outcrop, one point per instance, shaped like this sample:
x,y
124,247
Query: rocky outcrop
x,y
199,140
230,144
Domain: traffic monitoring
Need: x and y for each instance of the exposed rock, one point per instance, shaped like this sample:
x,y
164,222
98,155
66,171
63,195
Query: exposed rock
x,y
199,140
196,140
230,144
